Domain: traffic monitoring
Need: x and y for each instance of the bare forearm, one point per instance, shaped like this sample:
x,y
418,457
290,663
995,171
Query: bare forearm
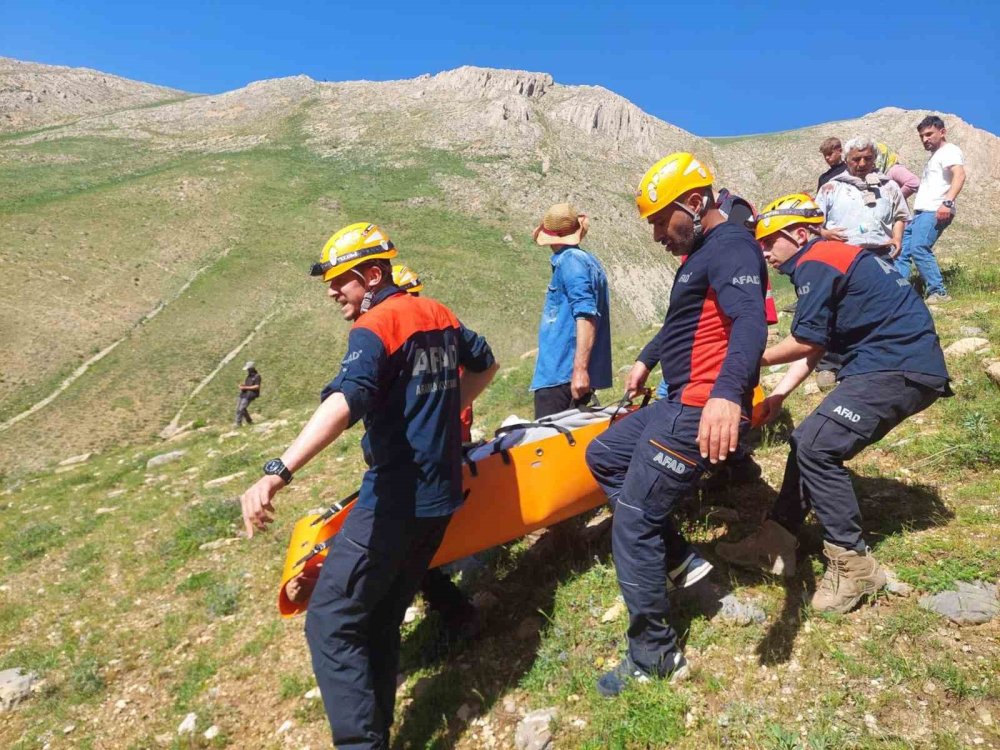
x,y
586,332
797,372
474,383
789,350
957,183
897,233
323,427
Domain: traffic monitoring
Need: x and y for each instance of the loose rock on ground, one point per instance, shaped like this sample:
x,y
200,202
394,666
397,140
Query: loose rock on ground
x,y
968,604
534,731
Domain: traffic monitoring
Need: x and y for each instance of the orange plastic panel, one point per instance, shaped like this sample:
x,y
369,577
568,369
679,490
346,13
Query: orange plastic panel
x,y
539,484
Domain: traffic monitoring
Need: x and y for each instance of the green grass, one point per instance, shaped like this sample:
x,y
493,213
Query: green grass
x,y
193,678
98,603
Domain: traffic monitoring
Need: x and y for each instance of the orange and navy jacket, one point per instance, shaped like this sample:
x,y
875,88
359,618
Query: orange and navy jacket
x,y
854,303
714,333
400,375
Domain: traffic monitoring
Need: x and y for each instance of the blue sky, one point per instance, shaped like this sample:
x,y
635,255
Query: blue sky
x,y
712,68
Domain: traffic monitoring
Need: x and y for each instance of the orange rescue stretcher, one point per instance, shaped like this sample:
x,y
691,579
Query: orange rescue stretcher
x,y
530,476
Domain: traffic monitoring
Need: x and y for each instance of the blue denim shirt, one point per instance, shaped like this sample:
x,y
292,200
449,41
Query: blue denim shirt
x,y
578,289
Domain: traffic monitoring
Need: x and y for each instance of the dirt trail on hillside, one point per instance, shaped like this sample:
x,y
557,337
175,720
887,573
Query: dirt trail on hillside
x,y
82,369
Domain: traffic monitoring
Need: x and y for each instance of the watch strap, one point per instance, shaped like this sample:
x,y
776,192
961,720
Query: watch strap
x,y
276,467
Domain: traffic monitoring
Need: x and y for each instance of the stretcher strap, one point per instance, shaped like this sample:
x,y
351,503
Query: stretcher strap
x,y
336,508
525,425
467,449
315,551
625,400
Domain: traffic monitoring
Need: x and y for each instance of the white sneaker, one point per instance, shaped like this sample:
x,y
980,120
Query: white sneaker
x,y
937,299
688,572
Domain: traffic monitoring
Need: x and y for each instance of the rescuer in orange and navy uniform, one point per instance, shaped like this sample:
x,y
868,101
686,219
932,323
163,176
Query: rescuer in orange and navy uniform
x,y
458,614
709,349
400,376
853,303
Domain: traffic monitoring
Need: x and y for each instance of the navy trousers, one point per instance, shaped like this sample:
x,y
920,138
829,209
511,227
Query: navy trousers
x,y
646,463
370,576
860,411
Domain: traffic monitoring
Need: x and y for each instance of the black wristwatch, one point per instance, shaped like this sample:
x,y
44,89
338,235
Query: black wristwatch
x,y
948,204
276,467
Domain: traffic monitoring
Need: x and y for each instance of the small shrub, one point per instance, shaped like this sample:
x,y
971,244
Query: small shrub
x,y
85,678
204,523
223,598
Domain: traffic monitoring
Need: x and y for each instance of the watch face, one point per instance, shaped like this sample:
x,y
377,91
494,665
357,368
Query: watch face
x,y
273,466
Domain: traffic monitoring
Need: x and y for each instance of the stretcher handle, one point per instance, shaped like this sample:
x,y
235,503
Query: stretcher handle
x,y
335,508
525,425
627,399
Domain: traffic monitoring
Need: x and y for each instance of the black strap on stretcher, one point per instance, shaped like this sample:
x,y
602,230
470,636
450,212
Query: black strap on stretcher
x,y
335,508
467,449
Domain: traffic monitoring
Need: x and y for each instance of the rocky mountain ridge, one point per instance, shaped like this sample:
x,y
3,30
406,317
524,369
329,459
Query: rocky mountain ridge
x,y
204,204
34,95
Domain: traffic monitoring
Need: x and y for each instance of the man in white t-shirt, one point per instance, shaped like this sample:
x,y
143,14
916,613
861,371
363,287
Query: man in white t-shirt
x,y
934,207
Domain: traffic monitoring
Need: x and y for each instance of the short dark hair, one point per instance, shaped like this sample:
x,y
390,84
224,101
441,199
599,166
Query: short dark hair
x,y
931,121
828,146
382,263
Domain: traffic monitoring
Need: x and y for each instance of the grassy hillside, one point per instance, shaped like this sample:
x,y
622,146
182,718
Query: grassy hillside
x,y
104,235
143,250
108,595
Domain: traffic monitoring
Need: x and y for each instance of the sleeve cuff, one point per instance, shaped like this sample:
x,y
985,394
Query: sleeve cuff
x,y
811,336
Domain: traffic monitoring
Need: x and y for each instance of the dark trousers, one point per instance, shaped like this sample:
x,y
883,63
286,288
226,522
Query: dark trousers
x,y
830,361
557,398
370,576
445,598
860,411
241,411
646,463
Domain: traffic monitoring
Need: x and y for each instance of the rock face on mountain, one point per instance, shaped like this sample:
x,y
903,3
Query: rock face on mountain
x,y
528,141
587,143
33,95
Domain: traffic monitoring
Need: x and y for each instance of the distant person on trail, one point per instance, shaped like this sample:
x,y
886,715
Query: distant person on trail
x,y
887,163
249,390
861,206
709,351
833,155
574,338
399,375
458,614
934,207
854,303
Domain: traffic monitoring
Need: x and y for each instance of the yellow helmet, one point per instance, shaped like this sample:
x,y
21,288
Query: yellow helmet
x,y
350,246
884,158
669,179
406,279
797,208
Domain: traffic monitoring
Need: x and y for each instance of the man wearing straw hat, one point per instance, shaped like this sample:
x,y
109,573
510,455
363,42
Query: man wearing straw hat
x,y
574,338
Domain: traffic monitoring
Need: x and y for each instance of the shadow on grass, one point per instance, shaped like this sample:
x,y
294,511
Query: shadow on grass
x,y
480,671
888,507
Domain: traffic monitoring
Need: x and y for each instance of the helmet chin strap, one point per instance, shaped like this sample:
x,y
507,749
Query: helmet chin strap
x,y
366,301
699,231
791,236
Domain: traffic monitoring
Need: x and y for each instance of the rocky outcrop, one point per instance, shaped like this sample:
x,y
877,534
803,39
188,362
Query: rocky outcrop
x,y
489,82
34,95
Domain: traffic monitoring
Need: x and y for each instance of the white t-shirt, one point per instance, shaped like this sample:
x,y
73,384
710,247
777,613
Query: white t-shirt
x,y
936,182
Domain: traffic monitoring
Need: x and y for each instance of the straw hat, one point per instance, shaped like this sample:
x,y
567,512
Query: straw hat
x,y
562,225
